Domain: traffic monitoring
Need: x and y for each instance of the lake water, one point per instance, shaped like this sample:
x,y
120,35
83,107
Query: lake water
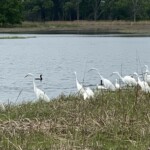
x,y
58,56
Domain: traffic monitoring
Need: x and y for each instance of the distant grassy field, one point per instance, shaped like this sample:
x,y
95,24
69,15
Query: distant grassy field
x,y
84,27
110,121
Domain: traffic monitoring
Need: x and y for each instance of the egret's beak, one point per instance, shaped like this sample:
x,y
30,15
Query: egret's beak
x,y
89,70
92,69
25,76
111,74
29,74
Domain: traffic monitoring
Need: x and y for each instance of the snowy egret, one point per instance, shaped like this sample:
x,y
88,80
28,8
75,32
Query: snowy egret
x,y
38,92
85,92
128,80
106,83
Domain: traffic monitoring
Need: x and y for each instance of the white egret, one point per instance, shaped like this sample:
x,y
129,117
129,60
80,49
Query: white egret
x,y
85,92
117,85
79,86
128,80
38,92
2,107
106,83
144,85
89,92
147,76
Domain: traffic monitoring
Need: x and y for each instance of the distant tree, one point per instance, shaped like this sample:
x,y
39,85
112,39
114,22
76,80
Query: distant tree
x,y
86,10
108,9
135,4
77,6
44,10
139,9
146,9
121,10
57,10
68,10
71,9
96,8
38,8
10,12
2,14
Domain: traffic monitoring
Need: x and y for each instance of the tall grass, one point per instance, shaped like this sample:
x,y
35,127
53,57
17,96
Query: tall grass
x,y
109,121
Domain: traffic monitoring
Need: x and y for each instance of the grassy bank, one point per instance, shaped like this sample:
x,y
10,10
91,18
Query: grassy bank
x,y
83,27
119,120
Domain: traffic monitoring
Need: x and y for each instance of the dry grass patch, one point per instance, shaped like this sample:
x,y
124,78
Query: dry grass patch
x,y
93,27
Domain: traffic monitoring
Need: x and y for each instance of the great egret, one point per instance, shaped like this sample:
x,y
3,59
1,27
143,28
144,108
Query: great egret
x,y
143,84
85,92
89,92
128,80
40,78
39,93
106,83
117,85
147,76
2,107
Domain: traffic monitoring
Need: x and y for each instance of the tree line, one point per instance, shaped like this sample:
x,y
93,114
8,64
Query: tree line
x,y
16,11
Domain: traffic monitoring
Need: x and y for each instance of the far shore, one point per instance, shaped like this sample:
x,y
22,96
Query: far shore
x,y
80,27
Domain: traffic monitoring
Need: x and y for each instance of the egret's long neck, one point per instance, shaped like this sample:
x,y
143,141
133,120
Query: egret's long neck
x,y
116,81
138,78
147,70
145,76
34,85
119,75
77,82
76,79
100,76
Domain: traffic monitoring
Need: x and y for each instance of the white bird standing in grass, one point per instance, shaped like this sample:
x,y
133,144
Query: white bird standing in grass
x,y
128,80
117,85
107,84
143,84
39,93
147,76
85,92
2,107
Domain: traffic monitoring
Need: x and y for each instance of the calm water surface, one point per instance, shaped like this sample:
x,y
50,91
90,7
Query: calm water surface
x,y
58,56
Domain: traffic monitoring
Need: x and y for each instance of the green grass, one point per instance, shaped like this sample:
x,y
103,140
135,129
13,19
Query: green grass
x,y
109,121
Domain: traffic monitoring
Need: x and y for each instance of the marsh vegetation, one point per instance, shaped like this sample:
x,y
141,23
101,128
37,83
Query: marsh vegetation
x,y
110,120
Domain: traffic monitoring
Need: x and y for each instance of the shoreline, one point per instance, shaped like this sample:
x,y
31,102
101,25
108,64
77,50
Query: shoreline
x,y
141,28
